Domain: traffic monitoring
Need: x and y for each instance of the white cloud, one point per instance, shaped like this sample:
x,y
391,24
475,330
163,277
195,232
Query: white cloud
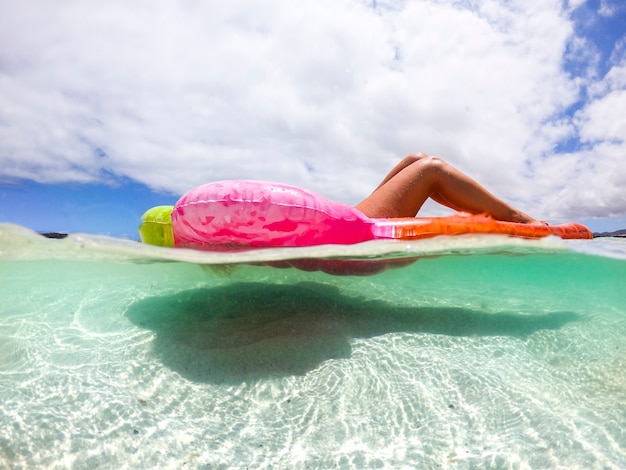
x,y
573,4
618,55
610,8
327,94
595,176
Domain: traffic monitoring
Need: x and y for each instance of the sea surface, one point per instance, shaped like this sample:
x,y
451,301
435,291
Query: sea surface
x,y
479,352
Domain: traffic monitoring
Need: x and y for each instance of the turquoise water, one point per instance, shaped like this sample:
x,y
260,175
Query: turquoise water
x,y
487,352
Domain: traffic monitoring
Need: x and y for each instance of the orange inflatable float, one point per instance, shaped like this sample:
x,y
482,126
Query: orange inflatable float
x,y
414,228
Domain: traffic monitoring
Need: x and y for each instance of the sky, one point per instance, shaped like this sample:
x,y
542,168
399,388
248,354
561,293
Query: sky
x,y
109,108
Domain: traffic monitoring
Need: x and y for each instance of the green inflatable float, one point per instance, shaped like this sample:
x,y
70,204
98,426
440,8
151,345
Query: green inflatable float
x,y
156,226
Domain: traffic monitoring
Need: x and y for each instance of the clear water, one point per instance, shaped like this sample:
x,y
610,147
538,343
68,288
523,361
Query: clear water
x,y
487,352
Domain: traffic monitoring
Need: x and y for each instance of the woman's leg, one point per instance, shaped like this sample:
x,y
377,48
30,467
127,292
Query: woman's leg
x,y
406,161
419,177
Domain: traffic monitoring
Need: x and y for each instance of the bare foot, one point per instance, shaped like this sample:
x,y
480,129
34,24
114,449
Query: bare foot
x,y
536,222
522,218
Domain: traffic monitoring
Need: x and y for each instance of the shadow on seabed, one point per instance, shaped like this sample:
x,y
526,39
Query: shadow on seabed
x,y
246,331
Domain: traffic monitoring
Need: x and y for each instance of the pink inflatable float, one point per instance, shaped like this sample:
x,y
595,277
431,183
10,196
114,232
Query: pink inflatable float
x,y
258,213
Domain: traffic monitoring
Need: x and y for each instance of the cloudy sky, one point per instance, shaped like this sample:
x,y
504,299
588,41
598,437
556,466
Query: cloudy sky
x,y
108,108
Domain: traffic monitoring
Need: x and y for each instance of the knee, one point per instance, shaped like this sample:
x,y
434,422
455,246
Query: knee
x,y
426,161
414,157
436,161
436,166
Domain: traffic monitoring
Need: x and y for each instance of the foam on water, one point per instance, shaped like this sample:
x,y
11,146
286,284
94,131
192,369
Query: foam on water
x,y
487,351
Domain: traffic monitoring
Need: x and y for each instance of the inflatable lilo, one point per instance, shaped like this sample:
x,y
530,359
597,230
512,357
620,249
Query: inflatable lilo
x,y
228,215
240,213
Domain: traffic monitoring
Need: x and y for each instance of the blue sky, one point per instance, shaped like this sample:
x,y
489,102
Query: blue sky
x,y
109,108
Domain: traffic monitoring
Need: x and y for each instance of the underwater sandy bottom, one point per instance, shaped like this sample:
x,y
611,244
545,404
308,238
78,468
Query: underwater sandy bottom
x,y
497,359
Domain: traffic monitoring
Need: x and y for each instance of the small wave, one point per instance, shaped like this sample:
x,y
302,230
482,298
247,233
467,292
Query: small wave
x,y
21,243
